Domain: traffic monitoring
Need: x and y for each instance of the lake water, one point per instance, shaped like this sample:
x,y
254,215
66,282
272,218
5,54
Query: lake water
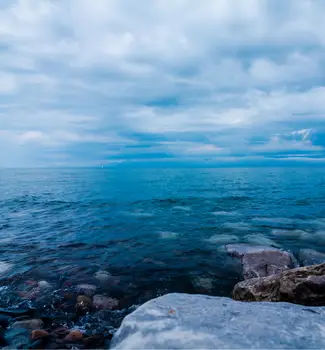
x,y
153,230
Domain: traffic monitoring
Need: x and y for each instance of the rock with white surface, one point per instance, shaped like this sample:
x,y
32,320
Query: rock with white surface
x,y
184,321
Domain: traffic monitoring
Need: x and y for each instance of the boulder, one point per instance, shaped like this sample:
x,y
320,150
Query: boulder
x,y
261,261
303,285
184,321
311,257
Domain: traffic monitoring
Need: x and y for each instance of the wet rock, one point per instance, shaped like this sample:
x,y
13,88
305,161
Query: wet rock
x,y
17,338
3,341
17,312
60,332
84,304
29,324
311,257
5,320
94,341
304,285
44,285
103,276
37,344
103,302
87,289
202,284
261,261
74,336
39,333
183,321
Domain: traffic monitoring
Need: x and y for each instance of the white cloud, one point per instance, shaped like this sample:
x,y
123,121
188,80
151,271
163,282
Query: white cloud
x,y
84,71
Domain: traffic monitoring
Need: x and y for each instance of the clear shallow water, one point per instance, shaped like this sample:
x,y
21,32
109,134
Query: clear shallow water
x,y
155,230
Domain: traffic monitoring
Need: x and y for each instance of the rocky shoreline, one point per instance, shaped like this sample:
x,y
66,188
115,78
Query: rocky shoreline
x,y
269,274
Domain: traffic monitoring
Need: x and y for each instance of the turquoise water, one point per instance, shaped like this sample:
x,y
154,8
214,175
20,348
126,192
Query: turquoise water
x,y
154,230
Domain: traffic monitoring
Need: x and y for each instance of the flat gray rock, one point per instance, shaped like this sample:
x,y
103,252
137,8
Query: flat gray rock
x,y
260,260
185,321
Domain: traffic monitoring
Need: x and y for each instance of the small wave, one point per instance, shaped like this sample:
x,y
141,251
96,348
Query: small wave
x,y
168,234
260,239
222,239
275,221
242,226
224,213
5,267
140,214
289,233
182,207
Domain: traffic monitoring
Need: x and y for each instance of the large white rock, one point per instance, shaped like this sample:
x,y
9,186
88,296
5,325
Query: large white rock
x,y
184,321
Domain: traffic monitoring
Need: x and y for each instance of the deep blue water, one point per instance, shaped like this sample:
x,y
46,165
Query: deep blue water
x,y
156,230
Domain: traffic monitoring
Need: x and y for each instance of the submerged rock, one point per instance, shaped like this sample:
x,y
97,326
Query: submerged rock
x,y
103,302
38,334
84,304
240,249
74,336
261,261
304,285
17,338
29,324
311,257
87,289
183,321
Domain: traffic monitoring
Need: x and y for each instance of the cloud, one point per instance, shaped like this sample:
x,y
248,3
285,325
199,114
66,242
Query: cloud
x,y
186,80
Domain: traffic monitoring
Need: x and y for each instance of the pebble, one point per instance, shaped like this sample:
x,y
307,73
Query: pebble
x,y
103,302
39,333
74,336
28,324
83,305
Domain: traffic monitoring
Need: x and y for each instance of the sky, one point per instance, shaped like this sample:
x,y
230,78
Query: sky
x,y
162,83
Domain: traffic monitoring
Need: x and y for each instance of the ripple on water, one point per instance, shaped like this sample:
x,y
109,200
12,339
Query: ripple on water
x,y
168,234
260,239
222,239
5,267
182,208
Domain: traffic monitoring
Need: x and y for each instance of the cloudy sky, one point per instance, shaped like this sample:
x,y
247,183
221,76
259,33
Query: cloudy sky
x,y
162,82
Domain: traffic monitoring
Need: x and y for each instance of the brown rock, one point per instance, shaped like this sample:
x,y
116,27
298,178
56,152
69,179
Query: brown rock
x,y
74,336
103,302
83,305
303,285
38,334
